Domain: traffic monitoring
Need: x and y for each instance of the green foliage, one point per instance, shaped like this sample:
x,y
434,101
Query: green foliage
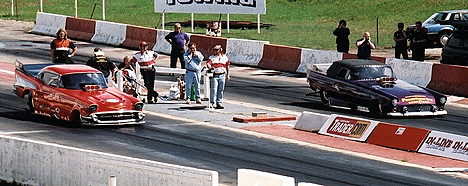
x,y
301,23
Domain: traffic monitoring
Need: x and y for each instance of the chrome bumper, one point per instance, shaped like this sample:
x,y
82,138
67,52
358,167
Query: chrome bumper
x,y
115,118
425,113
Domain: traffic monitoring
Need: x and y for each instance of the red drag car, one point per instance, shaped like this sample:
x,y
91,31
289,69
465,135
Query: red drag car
x,y
75,93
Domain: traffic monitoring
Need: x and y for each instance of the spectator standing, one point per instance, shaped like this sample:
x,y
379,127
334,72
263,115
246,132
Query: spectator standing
x,y
342,40
100,62
178,40
218,63
401,42
193,59
146,59
418,42
60,48
365,45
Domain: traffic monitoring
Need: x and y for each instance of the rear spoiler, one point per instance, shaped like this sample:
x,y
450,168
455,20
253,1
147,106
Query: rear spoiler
x,y
30,69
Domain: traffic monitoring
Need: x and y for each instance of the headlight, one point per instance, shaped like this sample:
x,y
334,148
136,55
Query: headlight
x,y
141,116
443,100
395,102
92,108
138,106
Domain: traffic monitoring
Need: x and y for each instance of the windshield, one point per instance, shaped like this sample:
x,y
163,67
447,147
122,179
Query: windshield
x,y
372,72
77,81
435,17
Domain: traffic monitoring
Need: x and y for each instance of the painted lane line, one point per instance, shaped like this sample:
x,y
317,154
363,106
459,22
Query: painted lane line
x,y
7,71
23,132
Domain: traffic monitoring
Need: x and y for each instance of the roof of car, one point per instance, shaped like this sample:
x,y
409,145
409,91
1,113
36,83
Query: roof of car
x,y
350,64
454,11
71,69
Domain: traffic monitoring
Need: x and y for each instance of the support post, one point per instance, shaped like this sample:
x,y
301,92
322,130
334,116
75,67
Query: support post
x,y
227,23
120,80
258,23
163,20
192,22
12,8
76,8
138,77
103,9
41,5
112,181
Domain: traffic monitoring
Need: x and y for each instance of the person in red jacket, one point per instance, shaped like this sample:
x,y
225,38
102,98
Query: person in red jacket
x,y
60,48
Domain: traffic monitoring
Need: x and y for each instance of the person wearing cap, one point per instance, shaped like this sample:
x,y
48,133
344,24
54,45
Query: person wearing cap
x,y
218,63
60,48
178,40
401,42
193,59
146,59
100,62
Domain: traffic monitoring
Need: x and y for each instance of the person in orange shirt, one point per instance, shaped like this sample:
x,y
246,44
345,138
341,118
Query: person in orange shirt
x,y
60,48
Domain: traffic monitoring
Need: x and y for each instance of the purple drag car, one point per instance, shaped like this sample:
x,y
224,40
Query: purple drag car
x,y
370,86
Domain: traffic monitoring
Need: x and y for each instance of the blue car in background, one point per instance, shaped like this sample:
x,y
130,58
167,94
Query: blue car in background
x,y
439,34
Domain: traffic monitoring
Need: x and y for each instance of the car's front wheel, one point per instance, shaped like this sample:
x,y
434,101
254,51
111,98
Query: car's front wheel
x,y
376,109
324,97
76,119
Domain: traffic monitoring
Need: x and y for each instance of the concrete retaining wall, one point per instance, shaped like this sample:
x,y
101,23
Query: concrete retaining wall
x,y
48,24
109,33
283,58
205,44
135,35
161,45
310,121
82,29
245,52
38,163
449,79
413,72
311,56
248,177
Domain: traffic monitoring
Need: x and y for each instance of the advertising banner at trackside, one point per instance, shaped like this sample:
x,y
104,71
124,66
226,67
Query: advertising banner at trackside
x,y
346,127
211,6
446,145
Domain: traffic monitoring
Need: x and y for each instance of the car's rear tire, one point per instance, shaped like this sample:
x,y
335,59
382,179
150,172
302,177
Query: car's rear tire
x,y
29,97
443,38
324,97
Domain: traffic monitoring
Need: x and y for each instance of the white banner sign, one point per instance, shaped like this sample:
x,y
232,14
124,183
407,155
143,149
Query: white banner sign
x,y
211,6
446,145
346,127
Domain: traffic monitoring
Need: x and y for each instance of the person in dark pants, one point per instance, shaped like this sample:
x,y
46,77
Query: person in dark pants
x,y
365,45
146,59
401,42
178,40
418,42
100,62
60,48
342,33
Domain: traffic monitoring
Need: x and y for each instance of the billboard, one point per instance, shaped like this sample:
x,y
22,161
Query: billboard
x,y
446,145
211,6
346,127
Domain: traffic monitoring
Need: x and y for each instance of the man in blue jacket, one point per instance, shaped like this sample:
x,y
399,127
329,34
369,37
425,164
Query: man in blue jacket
x,y
193,59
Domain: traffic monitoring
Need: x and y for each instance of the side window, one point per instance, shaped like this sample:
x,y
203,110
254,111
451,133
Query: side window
x,y
49,78
456,16
344,74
